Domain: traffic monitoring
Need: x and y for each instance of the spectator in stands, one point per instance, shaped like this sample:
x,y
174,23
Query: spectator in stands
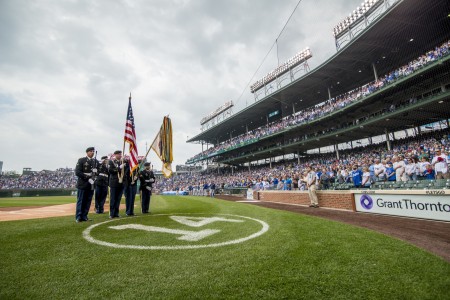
x,y
390,172
429,172
324,179
356,175
411,169
366,177
440,168
399,167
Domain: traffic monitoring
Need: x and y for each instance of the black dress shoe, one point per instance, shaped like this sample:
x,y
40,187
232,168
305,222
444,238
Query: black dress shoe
x,y
78,220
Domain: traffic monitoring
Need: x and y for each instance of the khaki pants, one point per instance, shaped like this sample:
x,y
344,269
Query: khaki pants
x,y
313,195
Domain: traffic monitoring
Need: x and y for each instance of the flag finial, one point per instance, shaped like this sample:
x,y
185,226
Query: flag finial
x,y
130,97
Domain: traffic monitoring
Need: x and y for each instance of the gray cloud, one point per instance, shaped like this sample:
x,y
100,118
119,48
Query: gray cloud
x,y
68,66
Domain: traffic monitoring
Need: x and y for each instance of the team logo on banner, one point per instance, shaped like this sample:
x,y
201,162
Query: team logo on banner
x,y
366,202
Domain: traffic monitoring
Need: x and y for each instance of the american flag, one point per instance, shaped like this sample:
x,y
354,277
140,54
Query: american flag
x,y
130,137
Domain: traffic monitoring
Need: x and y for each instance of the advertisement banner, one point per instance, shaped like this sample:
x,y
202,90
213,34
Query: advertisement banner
x,y
433,207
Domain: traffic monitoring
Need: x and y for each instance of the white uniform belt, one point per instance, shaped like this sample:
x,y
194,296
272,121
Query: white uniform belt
x,y
147,180
88,174
103,174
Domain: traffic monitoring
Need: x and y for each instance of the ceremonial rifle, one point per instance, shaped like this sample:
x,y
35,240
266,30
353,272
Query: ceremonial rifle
x,y
94,173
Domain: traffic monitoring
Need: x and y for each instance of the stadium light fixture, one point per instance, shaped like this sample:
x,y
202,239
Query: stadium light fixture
x,y
411,40
442,101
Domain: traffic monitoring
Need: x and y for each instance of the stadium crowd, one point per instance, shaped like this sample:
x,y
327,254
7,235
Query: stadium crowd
x,y
423,157
329,106
62,178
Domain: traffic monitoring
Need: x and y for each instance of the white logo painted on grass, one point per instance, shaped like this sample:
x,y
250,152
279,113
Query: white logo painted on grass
x,y
200,221
185,235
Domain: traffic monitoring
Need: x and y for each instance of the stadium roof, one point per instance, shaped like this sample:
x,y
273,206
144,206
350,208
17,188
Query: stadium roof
x,y
406,31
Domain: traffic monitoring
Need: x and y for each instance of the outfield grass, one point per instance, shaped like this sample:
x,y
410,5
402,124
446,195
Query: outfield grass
x,y
36,201
299,257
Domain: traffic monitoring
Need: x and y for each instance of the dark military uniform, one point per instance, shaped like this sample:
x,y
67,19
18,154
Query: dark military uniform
x,y
116,188
101,186
147,178
84,172
130,188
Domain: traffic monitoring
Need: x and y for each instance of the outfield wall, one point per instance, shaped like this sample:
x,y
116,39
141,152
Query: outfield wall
x,y
37,192
424,204
330,199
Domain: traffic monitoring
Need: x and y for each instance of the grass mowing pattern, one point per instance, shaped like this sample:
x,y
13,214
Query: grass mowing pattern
x,y
299,257
36,201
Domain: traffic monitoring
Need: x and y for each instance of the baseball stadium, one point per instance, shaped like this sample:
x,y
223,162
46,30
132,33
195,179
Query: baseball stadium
x,y
332,183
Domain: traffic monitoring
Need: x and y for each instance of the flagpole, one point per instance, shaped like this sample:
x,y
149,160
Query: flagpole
x,y
121,174
148,151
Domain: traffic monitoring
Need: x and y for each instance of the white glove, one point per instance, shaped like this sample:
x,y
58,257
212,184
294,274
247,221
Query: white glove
x,y
152,179
94,170
91,181
122,166
148,188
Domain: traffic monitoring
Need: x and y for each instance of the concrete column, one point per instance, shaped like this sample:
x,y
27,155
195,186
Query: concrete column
x,y
375,74
388,140
336,149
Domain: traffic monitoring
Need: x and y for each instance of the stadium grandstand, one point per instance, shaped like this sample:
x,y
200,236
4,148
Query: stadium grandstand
x,y
63,178
388,80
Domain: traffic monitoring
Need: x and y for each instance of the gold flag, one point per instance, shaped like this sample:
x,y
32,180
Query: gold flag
x,y
163,147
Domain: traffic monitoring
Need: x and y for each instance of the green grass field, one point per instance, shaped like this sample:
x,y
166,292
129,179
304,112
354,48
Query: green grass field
x,y
299,257
36,201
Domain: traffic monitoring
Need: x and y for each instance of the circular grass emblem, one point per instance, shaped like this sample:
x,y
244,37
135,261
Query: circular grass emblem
x,y
175,231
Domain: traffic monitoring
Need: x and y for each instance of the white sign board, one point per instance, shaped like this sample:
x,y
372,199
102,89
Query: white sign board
x,y
434,207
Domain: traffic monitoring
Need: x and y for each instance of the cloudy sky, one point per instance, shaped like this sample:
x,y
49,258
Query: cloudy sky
x,y
67,68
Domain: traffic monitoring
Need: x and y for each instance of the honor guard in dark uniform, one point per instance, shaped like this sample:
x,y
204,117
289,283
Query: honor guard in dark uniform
x,y
130,188
147,178
101,185
116,167
85,170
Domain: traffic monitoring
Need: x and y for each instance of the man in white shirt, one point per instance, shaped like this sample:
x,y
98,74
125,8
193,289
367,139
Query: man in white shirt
x,y
379,169
441,168
438,153
399,167
311,180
